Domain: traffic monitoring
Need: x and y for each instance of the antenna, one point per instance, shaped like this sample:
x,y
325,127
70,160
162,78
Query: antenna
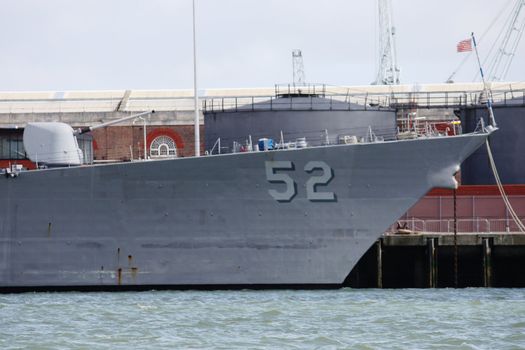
x,y
387,72
298,67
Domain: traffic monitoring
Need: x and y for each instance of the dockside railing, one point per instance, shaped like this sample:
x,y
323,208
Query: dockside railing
x,y
470,225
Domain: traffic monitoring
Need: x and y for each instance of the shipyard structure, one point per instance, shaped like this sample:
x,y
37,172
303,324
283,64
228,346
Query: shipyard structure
x,y
418,250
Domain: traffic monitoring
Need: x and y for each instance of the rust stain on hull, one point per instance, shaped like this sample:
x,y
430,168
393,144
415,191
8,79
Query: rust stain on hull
x,y
119,276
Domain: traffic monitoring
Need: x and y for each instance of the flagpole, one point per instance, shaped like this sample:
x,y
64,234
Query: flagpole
x,y
485,88
195,97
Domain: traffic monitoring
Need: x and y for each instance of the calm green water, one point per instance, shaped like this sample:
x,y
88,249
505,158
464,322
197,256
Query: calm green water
x,y
338,319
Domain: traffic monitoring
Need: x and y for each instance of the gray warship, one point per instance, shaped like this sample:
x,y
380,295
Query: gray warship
x,y
292,218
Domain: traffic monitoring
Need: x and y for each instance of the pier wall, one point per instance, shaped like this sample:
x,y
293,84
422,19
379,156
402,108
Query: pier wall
x,y
435,261
421,251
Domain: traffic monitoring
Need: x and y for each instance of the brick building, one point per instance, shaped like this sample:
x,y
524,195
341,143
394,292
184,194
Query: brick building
x,y
124,143
169,131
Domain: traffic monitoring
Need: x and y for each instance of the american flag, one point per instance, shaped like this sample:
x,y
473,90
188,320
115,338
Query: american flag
x,y
464,45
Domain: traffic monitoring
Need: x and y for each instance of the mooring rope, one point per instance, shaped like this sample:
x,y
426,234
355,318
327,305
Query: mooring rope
x,y
492,121
506,200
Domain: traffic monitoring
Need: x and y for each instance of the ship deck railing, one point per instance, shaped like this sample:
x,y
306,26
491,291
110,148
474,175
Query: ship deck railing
x,y
322,137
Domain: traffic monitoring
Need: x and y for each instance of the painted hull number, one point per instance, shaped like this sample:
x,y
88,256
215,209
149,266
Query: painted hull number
x,y
276,172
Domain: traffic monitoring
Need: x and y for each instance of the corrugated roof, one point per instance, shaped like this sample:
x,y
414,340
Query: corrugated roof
x,y
182,100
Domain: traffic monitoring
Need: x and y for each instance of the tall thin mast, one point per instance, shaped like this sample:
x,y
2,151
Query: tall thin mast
x,y
195,97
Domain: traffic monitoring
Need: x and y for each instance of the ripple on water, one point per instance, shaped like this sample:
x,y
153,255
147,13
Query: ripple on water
x,y
358,319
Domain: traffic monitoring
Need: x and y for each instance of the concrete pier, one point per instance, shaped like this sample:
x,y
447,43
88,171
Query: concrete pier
x,y
426,260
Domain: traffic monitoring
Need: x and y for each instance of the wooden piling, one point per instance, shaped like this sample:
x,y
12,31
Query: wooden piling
x,y
379,249
432,262
487,262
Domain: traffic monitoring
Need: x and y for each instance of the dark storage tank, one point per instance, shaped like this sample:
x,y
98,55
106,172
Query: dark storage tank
x,y
315,117
507,144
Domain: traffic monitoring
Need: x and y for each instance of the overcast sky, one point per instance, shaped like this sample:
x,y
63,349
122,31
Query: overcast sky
x,y
147,44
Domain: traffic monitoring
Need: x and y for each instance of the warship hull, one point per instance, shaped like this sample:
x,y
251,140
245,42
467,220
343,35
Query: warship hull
x,y
287,218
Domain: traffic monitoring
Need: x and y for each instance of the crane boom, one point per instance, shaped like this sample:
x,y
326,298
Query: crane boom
x,y
388,71
502,60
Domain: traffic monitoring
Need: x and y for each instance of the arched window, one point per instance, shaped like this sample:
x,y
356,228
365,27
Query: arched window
x,y
163,146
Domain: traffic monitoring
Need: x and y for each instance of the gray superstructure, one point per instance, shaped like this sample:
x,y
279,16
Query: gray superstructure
x,y
300,217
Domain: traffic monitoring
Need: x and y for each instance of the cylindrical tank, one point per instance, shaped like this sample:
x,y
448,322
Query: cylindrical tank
x,y
318,119
507,144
